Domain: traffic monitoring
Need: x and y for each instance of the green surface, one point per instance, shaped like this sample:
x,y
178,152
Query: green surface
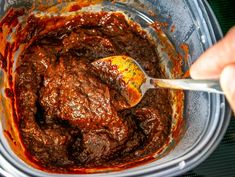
x,y
222,162
225,13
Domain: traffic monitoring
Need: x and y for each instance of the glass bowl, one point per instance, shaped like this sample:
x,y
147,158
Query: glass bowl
x,y
206,115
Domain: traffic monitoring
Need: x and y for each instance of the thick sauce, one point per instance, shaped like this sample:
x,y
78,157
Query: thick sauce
x,y
68,117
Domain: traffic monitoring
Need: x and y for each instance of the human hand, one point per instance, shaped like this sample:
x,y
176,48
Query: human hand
x,y
218,62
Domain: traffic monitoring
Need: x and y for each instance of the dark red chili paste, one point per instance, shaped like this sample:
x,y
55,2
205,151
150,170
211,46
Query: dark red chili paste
x,y
68,117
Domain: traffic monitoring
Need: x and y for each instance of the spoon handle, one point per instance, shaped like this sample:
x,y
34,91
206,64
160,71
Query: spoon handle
x,y
212,86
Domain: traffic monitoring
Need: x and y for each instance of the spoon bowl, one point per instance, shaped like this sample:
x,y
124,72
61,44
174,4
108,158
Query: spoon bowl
x,y
132,82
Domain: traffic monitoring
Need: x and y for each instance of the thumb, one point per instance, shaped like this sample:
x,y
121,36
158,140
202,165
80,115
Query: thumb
x,y
212,62
228,84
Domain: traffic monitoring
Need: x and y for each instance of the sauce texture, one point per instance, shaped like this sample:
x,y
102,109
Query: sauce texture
x,y
67,115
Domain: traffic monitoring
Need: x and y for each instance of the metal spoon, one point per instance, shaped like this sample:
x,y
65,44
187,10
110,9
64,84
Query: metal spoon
x,y
133,82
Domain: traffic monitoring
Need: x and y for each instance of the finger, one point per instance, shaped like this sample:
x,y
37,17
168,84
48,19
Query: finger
x,y
212,62
228,84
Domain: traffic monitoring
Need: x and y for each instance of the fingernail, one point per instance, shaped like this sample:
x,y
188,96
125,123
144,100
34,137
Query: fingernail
x,y
193,72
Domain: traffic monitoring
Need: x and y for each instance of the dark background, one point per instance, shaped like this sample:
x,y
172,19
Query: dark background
x,y
222,161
